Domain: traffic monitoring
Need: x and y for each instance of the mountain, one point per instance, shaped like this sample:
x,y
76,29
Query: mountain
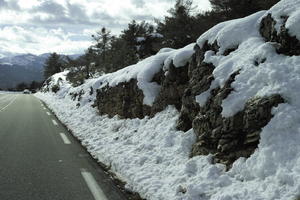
x,y
21,68
15,69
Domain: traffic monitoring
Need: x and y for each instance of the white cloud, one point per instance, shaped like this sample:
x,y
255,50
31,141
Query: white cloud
x,y
65,26
40,40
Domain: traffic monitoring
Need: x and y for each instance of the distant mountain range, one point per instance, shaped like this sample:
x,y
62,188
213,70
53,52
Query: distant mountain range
x,y
15,69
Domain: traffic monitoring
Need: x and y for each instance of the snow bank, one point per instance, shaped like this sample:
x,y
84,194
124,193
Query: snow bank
x,y
8,92
149,154
143,72
153,157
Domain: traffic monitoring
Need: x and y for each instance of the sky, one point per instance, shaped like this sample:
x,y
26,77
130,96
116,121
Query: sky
x,y
66,26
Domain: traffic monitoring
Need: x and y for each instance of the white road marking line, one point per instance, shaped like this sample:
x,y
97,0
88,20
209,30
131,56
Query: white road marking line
x,y
65,138
93,185
54,122
44,108
9,104
48,113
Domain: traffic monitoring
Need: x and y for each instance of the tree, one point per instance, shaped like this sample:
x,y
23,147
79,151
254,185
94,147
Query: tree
x,y
134,36
53,65
89,58
21,86
103,41
233,9
178,29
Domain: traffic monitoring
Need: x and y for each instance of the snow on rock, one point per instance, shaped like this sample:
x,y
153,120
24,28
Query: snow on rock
x,y
274,75
290,9
153,157
143,72
232,33
179,57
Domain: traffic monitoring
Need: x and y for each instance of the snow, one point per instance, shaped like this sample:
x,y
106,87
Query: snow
x,y
291,9
7,92
275,75
24,59
140,39
156,35
143,72
230,34
146,153
179,57
152,157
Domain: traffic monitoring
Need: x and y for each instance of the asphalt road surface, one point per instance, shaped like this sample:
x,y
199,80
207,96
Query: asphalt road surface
x,y
40,160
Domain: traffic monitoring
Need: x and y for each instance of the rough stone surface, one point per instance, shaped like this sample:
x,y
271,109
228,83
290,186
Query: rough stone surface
x,y
200,78
233,137
173,86
226,139
125,100
283,42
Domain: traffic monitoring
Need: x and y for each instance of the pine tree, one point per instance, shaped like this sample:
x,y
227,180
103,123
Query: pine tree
x,y
53,65
103,41
178,29
232,9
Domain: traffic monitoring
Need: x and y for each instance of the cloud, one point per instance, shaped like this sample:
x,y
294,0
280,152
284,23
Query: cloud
x,y
50,7
40,40
9,5
39,26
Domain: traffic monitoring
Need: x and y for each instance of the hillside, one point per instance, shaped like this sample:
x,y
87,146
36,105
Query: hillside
x,y
26,68
21,68
215,120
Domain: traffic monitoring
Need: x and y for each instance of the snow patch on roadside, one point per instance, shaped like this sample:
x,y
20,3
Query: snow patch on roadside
x,y
152,157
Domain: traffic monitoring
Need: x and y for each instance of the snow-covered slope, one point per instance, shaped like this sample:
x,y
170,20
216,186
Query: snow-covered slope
x,y
152,156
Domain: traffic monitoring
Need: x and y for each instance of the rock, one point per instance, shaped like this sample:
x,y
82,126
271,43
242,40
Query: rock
x,y
226,138
283,41
200,78
173,86
125,100
235,136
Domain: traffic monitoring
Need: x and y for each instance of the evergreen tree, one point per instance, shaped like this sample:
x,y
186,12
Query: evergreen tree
x,y
233,9
178,29
89,58
53,65
103,41
21,86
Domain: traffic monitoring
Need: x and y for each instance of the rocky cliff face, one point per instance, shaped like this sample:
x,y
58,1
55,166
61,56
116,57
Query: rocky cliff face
x,y
125,100
226,138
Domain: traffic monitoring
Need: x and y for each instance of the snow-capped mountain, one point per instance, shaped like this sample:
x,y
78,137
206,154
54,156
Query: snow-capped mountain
x,y
29,60
17,68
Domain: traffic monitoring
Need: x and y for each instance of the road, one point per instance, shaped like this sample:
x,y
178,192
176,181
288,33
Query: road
x,y
40,160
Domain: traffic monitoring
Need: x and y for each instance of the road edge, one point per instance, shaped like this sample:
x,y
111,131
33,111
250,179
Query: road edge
x,y
131,195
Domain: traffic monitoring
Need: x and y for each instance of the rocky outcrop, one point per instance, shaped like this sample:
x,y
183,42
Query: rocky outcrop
x,y
231,138
173,86
125,100
226,139
283,42
200,78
